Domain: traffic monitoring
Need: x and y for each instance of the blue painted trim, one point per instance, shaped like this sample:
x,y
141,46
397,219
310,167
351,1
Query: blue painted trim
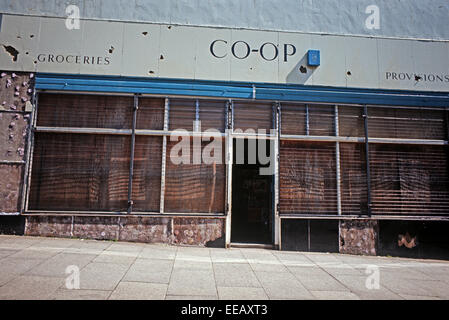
x,y
221,89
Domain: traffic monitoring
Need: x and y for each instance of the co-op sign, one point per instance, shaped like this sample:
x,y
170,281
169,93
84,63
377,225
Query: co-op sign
x,y
240,49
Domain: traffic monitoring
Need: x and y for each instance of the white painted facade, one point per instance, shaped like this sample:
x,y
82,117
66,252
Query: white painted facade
x,y
184,52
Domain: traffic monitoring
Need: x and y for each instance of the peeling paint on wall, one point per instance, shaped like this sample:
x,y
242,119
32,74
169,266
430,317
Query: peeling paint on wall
x,y
185,231
359,237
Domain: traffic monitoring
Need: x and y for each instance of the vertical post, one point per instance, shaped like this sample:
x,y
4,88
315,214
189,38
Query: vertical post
x,y
197,115
229,161
307,120
29,153
276,158
131,164
368,173
337,162
164,155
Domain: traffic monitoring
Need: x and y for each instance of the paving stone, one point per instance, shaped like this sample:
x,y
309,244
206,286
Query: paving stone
x,y
193,265
294,259
241,293
116,257
192,283
269,266
335,295
57,265
403,286
10,268
88,247
435,288
36,253
7,252
79,294
320,283
235,275
322,257
306,271
146,270
102,276
282,285
139,291
158,252
357,285
412,297
175,297
232,255
30,288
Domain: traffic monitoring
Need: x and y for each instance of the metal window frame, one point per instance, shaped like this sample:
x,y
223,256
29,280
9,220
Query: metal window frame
x,y
366,140
229,136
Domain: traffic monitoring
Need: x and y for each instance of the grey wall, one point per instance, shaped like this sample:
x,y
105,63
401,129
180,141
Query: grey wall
x,y
399,18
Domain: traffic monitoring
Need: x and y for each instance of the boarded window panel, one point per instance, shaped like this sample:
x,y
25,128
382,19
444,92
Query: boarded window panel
x,y
80,172
410,180
253,116
182,114
353,179
150,114
85,111
213,115
194,188
351,122
293,119
307,178
147,174
384,122
321,120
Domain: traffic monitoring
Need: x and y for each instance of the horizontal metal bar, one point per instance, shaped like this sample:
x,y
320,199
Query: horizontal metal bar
x,y
265,91
120,213
86,93
20,162
408,141
362,140
14,111
9,213
84,130
253,136
141,132
322,217
145,132
321,138
373,217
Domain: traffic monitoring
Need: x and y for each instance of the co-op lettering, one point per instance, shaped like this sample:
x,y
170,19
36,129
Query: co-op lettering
x,y
241,50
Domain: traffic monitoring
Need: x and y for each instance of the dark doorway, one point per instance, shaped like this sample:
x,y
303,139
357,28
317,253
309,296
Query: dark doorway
x,y
252,218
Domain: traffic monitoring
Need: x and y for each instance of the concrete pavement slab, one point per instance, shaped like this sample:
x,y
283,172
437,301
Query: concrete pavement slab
x,y
158,252
335,295
57,265
184,282
30,288
150,270
282,285
79,294
235,275
320,283
241,293
139,291
102,276
357,285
